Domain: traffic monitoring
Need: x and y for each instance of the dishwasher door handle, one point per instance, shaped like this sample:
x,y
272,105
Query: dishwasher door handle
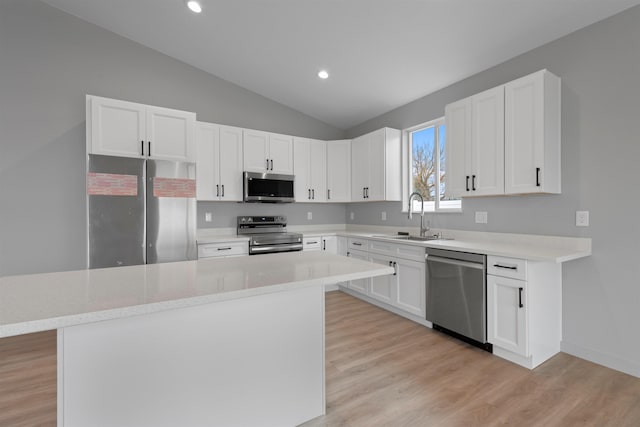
x,y
432,258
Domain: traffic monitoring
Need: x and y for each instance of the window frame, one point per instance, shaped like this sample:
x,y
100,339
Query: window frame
x,y
407,170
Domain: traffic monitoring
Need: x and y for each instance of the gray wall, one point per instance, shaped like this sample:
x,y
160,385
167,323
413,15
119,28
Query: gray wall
x,y
223,214
49,60
600,70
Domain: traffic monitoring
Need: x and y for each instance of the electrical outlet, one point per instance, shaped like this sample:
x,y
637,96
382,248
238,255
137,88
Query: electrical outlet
x,y
309,216
481,217
352,215
582,218
207,216
384,216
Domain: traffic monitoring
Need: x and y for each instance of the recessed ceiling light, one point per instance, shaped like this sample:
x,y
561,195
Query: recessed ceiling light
x,y
194,6
323,74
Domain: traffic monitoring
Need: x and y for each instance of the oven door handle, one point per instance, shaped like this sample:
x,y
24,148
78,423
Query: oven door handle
x,y
276,248
432,258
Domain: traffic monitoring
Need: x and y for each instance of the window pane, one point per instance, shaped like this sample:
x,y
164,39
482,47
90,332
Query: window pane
x,y
424,166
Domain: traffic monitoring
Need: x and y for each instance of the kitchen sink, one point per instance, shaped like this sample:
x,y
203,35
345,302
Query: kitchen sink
x,y
412,237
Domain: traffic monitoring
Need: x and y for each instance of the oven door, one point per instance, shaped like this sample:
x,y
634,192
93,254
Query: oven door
x,y
268,187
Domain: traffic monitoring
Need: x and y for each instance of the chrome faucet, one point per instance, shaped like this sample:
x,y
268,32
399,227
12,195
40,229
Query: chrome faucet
x,y
423,229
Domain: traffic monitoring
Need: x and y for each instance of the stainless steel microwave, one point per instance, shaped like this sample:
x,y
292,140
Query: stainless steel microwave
x,y
268,187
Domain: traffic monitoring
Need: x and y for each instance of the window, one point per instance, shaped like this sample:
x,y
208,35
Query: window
x,y
426,167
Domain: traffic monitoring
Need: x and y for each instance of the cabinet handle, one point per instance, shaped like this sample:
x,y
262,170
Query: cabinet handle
x,y
367,191
222,190
356,244
313,193
271,164
149,150
217,190
348,253
509,267
467,183
142,148
328,194
537,177
324,245
395,270
520,297
312,243
473,182
363,196
267,160
224,249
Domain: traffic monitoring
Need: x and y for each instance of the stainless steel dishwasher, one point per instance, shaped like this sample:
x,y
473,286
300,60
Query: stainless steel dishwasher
x,y
457,295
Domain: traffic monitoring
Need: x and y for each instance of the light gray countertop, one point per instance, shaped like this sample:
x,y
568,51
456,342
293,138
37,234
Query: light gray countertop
x,y
39,302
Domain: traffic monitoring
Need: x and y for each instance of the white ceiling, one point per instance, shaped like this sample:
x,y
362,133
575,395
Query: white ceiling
x,y
381,54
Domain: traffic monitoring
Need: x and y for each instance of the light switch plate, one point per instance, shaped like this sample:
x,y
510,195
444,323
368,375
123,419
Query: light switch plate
x,y
384,216
582,218
309,215
207,216
481,217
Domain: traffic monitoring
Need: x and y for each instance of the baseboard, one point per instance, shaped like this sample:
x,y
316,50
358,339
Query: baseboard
x,y
604,359
329,288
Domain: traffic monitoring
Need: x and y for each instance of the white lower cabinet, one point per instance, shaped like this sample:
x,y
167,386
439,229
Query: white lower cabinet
x,y
410,286
223,249
330,244
311,243
507,314
405,289
360,285
382,287
524,309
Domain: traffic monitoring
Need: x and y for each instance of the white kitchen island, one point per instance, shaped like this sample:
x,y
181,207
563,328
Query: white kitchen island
x,y
231,342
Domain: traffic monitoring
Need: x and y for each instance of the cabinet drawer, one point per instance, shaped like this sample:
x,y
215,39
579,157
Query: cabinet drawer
x,y
514,268
358,244
382,247
399,250
311,243
209,250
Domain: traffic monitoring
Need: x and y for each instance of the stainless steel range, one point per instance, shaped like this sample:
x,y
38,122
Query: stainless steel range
x,y
268,234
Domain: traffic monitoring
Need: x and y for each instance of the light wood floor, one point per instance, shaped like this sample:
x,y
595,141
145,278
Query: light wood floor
x,y
383,370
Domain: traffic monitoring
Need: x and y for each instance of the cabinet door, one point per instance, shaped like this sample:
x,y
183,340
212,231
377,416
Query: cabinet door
x,y
229,163
532,134
281,154
207,187
487,140
330,244
339,171
318,170
458,124
311,243
116,128
359,167
170,134
342,245
376,161
255,150
383,288
301,156
410,292
506,318
360,285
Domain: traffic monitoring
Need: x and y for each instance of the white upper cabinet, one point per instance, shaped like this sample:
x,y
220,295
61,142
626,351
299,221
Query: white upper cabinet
x,y
475,144
127,129
339,171
375,166
268,152
219,162
310,167
505,140
532,134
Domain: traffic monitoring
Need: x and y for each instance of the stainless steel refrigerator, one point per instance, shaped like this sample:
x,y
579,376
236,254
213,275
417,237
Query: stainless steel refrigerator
x,y
140,211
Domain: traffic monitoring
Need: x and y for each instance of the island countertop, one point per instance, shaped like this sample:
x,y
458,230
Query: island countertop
x,y
39,302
